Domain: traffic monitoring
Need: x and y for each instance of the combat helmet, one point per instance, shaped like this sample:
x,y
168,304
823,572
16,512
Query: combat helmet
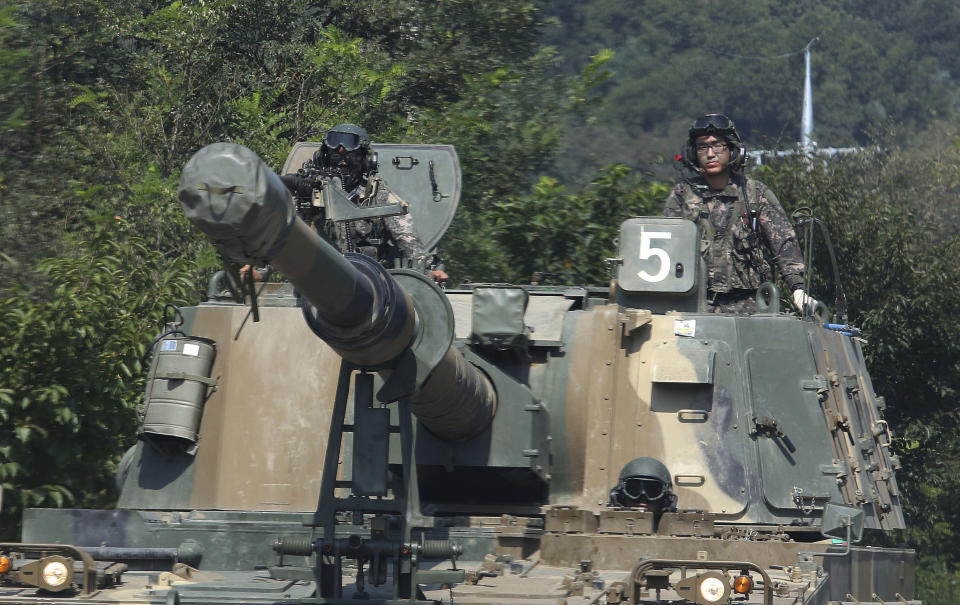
x,y
346,138
718,125
644,481
349,136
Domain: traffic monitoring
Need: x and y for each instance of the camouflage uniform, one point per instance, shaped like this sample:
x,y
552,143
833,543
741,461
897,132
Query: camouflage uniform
x,y
730,239
392,240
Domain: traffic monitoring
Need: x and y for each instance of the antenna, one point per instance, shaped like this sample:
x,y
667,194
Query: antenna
x,y
807,145
806,120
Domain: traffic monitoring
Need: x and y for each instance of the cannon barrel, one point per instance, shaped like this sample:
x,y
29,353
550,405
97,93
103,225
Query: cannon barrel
x,y
354,304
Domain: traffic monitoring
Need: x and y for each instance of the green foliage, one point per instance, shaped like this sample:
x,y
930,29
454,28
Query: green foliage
x,y
565,237
12,72
936,585
70,371
677,60
504,129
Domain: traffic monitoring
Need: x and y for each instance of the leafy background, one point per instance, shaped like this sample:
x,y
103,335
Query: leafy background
x,y
565,116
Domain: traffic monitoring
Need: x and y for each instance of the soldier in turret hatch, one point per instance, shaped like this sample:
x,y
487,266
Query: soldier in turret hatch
x,y
345,154
644,483
735,216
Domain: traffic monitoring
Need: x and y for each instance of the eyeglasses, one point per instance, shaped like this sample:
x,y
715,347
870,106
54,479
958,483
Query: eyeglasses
x,y
347,140
717,146
636,488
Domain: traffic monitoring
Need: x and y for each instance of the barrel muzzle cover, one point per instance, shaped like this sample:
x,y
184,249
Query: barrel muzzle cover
x,y
237,201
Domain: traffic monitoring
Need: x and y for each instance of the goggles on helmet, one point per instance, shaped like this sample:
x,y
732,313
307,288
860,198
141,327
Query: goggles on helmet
x,y
637,488
348,140
713,121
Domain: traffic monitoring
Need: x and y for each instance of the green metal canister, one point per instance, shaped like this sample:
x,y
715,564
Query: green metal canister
x,y
177,386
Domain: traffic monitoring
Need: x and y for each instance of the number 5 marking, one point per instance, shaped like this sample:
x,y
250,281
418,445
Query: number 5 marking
x,y
646,251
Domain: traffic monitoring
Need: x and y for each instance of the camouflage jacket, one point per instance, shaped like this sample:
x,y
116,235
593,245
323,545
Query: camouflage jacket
x,y
392,240
733,222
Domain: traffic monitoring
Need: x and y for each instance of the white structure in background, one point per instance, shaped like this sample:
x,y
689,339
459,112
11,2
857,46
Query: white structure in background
x,y
807,145
806,119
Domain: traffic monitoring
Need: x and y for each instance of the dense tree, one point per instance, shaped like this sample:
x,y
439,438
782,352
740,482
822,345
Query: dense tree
x,y
504,130
674,61
564,237
70,369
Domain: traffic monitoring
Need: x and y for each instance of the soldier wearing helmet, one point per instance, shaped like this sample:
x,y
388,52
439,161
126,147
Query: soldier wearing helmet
x,y
735,216
644,483
345,156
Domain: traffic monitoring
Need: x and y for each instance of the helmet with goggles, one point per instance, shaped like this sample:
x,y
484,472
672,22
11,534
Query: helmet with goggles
x,y
348,136
720,126
345,153
644,482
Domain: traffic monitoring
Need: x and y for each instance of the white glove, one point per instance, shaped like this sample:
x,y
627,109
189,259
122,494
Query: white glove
x,y
805,304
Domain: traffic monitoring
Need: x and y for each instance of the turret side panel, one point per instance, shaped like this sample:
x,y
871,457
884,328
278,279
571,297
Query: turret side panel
x,y
802,439
864,466
677,401
654,392
264,430
589,392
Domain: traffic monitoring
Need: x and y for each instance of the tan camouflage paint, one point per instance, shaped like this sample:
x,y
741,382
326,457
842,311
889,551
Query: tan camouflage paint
x,y
665,414
589,390
263,435
615,413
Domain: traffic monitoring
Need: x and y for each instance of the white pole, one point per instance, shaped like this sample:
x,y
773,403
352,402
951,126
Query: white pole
x,y
806,120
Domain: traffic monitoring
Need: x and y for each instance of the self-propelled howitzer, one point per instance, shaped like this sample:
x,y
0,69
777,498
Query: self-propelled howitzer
x,y
571,444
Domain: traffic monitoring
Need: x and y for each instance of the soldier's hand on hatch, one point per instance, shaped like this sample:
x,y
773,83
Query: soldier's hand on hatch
x,y
438,275
257,276
805,304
